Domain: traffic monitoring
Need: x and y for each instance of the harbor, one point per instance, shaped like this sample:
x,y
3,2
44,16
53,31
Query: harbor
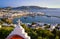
x,y
29,19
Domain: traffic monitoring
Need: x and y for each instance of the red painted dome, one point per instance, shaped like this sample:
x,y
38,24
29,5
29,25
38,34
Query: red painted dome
x,y
16,37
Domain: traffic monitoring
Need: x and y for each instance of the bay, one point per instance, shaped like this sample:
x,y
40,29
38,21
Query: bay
x,y
42,19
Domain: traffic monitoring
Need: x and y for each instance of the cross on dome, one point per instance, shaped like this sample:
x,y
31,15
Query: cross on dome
x,y
18,32
19,22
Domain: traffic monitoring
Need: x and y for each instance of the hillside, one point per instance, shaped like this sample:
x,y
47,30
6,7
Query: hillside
x,y
28,8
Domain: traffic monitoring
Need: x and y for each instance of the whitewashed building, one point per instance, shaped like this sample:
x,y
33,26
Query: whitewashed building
x,y
18,33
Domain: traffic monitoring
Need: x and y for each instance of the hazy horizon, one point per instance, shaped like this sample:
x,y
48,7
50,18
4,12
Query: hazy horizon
x,y
17,3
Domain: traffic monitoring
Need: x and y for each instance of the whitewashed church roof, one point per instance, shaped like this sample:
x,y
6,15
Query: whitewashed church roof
x,y
19,30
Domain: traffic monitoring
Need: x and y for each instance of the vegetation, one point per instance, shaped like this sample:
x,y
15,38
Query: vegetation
x,y
4,31
33,23
6,20
42,34
33,33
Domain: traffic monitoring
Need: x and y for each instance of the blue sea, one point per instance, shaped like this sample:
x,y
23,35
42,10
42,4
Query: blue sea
x,y
42,19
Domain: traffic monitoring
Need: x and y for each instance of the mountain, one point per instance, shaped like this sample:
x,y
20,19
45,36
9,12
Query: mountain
x,y
6,8
28,8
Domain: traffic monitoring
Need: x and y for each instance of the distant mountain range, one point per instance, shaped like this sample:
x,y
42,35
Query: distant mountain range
x,y
25,8
29,7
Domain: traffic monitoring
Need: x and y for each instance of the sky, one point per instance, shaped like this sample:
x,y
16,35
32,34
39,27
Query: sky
x,y
42,3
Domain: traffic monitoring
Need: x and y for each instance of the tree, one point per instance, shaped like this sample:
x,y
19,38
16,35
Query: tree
x,y
39,37
4,33
57,37
33,23
33,35
6,20
54,32
58,25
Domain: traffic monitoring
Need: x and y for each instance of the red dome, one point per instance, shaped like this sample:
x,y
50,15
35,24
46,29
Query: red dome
x,y
16,37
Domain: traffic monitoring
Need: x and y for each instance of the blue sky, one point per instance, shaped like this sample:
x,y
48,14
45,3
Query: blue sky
x,y
42,3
